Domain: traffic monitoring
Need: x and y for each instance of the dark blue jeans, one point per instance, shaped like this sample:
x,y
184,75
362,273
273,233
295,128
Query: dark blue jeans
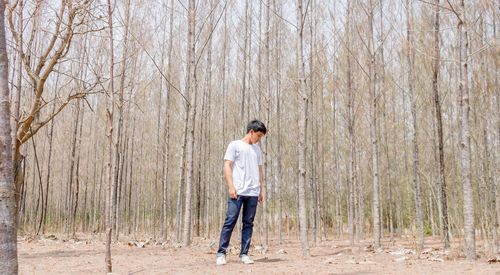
x,y
233,210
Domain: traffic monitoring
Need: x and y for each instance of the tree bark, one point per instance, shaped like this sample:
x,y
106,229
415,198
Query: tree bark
x,y
278,161
8,223
413,103
166,127
111,153
373,132
191,90
351,180
465,155
439,123
302,146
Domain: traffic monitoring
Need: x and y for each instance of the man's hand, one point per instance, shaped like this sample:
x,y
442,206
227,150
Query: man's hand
x,y
232,193
228,171
262,195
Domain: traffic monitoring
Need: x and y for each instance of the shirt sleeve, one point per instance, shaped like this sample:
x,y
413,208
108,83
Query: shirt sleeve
x,y
230,152
259,156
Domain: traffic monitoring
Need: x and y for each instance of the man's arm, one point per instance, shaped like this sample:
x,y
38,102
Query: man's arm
x,y
228,174
262,194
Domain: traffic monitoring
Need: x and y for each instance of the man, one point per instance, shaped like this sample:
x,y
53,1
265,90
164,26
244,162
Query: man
x,y
245,183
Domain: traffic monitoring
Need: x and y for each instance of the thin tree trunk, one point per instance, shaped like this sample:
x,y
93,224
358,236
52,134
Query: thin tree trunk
x,y
208,130
303,101
166,135
49,161
312,152
245,57
248,69
77,171
16,104
159,102
439,122
413,102
131,222
351,182
465,155
360,199
278,162
487,175
338,225
383,89
68,221
191,89
261,90
180,185
119,129
111,154
373,133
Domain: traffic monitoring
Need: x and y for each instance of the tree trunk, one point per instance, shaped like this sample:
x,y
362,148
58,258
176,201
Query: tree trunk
x,y
119,152
278,161
383,90
465,155
351,181
49,161
373,133
245,58
439,122
191,89
68,221
302,146
413,102
180,185
77,171
166,127
111,153
8,224
16,104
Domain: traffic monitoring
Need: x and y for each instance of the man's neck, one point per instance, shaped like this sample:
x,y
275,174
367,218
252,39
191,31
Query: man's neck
x,y
246,139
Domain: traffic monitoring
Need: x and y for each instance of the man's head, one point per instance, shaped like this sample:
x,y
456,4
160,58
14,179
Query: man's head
x,y
256,130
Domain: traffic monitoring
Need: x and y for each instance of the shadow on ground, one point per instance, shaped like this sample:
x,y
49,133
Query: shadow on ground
x,y
268,260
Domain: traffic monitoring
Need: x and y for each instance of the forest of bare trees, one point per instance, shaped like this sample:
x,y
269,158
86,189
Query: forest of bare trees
x,y
383,118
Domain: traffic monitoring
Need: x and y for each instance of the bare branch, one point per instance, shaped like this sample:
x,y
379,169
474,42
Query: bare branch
x,y
159,69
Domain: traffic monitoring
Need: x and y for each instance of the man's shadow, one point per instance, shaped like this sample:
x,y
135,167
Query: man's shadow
x,y
268,260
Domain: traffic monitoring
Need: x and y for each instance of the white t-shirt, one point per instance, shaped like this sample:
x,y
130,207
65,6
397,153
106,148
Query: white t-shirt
x,y
246,159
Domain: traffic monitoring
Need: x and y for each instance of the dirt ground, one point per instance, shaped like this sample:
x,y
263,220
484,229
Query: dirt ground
x,y
54,255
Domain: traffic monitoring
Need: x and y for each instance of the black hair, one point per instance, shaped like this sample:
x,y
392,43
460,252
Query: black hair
x,y
256,126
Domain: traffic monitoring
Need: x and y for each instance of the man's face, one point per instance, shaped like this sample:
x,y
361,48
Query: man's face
x,y
255,136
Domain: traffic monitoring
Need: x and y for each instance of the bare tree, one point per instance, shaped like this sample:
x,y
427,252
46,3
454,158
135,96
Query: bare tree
x,y
245,60
350,126
120,133
439,122
69,218
465,155
166,135
278,161
373,129
191,91
303,99
413,102
8,229
111,146
16,102
49,158
69,18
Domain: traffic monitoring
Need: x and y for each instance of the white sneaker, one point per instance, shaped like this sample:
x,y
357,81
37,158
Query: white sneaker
x,y
221,260
245,259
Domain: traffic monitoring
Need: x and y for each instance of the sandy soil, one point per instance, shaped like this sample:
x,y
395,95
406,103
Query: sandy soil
x,y
54,255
